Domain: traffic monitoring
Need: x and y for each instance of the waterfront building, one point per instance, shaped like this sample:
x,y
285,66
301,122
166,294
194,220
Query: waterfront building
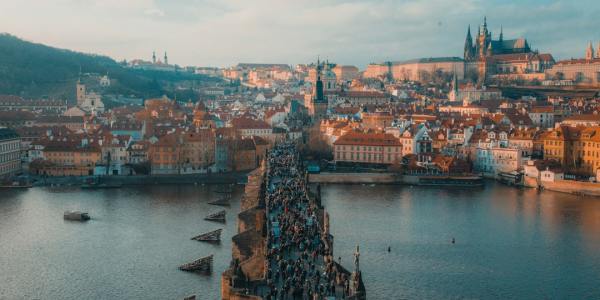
x,y
370,148
244,158
525,140
10,153
137,152
67,158
114,156
197,151
492,160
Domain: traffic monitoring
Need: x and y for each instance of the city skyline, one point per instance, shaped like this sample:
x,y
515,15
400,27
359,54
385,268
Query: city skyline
x,y
211,33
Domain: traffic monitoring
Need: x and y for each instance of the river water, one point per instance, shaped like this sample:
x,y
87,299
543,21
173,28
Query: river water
x,y
510,243
131,249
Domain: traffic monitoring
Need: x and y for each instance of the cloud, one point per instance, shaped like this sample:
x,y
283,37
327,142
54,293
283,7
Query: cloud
x,y
224,32
155,12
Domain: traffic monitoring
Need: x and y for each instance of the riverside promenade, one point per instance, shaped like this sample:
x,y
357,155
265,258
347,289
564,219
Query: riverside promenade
x,y
283,249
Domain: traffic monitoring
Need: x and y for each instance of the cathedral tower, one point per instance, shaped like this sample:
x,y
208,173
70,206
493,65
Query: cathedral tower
x,y
468,55
589,52
80,92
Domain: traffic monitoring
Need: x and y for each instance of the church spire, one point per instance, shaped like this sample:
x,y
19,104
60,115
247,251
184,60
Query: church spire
x,y
598,51
589,52
468,45
501,34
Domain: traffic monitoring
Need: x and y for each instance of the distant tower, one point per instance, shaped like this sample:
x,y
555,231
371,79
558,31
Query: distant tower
x,y
80,92
319,102
468,55
153,57
166,59
598,51
589,52
490,51
501,34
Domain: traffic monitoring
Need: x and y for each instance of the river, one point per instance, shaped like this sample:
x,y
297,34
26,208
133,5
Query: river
x,y
510,243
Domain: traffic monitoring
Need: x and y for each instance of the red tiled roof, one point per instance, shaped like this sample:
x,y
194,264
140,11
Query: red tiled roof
x,y
368,139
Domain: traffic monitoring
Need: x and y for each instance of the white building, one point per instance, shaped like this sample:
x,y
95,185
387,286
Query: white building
x,y
92,103
542,116
492,160
10,153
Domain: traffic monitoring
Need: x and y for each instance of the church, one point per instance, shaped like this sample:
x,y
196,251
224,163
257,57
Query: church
x,y
484,46
488,57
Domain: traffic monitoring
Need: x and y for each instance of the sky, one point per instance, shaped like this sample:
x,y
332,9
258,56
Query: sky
x,y
222,33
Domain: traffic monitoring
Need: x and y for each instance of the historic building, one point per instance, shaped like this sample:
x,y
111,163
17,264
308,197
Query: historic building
x,y
582,71
421,69
10,157
372,148
324,80
485,56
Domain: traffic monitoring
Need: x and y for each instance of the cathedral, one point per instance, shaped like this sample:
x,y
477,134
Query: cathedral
x,y
487,58
484,46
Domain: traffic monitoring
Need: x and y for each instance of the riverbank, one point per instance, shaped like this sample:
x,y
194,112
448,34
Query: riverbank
x,y
573,187
394,178
138,180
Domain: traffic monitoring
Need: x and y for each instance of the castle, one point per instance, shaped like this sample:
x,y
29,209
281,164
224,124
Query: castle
x,y
513,58
484,46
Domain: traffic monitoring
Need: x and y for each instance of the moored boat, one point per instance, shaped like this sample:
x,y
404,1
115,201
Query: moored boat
x,y
76,216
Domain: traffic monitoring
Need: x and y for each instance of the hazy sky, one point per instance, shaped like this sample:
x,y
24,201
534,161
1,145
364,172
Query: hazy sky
x,y
223,33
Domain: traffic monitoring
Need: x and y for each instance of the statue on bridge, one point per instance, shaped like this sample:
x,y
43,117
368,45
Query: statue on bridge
x,y
356,259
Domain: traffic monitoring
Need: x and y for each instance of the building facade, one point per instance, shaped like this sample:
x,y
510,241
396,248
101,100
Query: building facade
x,y
10,153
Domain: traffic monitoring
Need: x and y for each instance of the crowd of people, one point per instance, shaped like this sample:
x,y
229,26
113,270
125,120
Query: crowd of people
x,y
300,264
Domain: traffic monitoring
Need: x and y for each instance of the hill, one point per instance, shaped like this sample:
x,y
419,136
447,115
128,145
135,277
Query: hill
x,y
34,70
